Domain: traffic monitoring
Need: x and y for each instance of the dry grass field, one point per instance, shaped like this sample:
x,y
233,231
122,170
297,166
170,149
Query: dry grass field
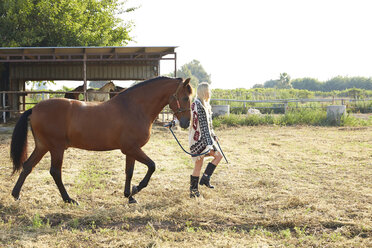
x,y
284,187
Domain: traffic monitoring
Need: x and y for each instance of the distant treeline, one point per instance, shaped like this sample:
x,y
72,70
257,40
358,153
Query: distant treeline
x,y
335,84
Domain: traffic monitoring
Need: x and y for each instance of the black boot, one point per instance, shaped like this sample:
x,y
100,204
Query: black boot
x,y
205,180
194,192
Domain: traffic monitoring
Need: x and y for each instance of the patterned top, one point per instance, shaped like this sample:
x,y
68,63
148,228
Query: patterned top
x,y
201,134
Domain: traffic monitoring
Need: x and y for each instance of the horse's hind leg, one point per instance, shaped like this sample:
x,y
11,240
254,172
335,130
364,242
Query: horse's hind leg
x,y
30,163
56,172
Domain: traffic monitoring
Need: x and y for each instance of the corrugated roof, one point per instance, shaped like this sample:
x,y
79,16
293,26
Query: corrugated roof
x,y
87,50
63,54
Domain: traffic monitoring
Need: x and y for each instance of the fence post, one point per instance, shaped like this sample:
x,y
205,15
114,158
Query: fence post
x,y
4,113
285,107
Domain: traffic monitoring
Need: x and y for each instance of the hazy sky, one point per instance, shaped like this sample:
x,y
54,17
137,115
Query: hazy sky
x,y
243,42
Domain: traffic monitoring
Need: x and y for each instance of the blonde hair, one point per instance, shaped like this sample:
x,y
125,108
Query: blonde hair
x,y
203,93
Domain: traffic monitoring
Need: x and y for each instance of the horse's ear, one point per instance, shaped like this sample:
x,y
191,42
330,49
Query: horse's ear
x,y
187,81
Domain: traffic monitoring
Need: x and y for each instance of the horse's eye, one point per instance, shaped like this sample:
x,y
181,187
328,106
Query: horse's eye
x,y
185,99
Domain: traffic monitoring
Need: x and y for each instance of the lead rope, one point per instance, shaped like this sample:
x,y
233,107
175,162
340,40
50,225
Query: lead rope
x,y
169,125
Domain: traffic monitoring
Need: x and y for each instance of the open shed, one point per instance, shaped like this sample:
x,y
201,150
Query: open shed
x,y
21,64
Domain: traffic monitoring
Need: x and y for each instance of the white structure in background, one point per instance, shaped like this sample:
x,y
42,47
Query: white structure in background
x,y
218,110
335,113
253,111
42,86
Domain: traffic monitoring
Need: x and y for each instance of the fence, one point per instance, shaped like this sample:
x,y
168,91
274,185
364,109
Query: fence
x,y
276,105
283,105
43,95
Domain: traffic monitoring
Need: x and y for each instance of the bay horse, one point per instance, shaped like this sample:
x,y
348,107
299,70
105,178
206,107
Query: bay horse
x,y
124,122
101,97
71,95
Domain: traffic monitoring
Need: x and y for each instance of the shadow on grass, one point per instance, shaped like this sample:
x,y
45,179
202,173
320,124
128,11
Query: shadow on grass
x,y
98,222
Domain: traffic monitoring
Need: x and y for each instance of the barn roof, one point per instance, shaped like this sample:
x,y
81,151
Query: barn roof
x,y
38,54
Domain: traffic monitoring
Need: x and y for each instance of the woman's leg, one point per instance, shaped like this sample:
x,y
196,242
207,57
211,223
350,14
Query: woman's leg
x,y
194,178
197,167
205,180
217,157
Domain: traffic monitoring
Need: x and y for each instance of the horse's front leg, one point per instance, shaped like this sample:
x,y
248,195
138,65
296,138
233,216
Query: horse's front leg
x,y
140,156
129,167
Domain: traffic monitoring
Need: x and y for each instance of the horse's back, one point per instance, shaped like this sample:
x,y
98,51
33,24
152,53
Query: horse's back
x,y
71,123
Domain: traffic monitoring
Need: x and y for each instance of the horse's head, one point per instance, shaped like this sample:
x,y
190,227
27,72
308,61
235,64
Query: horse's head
x,y
110,86
180,103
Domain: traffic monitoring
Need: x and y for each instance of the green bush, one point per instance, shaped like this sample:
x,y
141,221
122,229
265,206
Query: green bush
x,y
349,120
360,107
312,117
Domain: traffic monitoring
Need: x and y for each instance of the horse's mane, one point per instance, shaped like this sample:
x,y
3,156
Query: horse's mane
x,y
81,87
146,82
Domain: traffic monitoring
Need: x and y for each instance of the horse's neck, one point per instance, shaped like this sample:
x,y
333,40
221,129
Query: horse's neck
x,y
105,88
152,100
159,98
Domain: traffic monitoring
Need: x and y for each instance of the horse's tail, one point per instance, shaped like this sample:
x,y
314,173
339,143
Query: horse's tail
x,y
18,146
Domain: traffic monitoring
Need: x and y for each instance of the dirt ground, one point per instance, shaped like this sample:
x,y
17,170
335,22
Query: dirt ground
x,y
284,187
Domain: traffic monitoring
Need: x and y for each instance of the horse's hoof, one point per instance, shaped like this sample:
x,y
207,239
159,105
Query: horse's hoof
x,y
134,190
15,196
132,200
72,201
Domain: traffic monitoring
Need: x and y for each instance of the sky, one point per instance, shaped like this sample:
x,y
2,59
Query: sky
x,y
245,42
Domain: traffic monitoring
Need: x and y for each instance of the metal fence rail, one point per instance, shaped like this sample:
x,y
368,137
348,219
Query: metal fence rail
x,y
295,100
283,103
277,103
164,115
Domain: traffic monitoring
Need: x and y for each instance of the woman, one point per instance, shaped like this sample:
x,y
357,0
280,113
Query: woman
x,y
202,139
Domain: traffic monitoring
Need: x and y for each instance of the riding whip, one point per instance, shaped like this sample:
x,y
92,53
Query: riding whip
x,y
222,151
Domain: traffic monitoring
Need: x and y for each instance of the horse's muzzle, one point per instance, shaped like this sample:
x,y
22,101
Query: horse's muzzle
x,y
184,122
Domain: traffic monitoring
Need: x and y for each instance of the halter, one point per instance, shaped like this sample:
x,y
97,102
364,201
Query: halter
x,y
174,97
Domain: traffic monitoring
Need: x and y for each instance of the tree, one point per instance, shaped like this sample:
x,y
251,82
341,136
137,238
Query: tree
x,y
258,86
284,81
28,23
195,71
271,83
40,85
307,84
355,93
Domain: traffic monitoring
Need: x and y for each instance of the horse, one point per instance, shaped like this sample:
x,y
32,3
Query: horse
x,y
116,91
95,95
72,94
124,122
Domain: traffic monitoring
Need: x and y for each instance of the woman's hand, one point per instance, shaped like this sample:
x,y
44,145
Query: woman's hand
x,y
215,138
212,153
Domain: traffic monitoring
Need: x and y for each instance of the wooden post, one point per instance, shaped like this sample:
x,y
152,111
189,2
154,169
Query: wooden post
x,y
4,113
285,107
175,64
85,75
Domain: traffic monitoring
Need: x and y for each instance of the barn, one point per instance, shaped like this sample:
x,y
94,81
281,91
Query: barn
x,y
21,64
